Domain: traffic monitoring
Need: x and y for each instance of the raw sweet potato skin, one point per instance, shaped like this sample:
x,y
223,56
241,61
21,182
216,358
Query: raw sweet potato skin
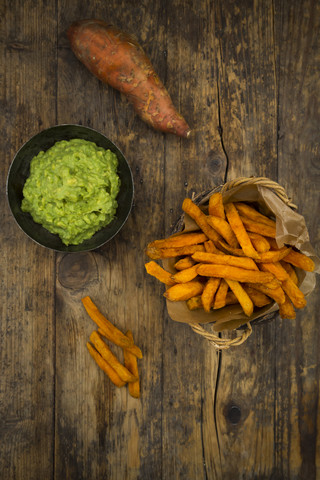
x,y
117,59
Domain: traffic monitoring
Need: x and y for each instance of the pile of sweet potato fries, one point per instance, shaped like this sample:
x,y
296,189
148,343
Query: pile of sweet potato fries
x,y
118,373
232,258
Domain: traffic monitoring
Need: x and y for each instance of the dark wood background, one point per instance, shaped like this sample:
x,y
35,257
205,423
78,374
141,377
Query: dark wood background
x,y
245,74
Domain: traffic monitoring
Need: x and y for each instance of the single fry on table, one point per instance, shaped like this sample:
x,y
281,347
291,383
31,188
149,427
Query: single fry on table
x,y
105,366
110,330
130,362
109,357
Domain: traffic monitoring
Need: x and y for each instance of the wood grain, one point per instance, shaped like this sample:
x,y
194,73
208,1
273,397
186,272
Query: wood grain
x,y
245,75
27,334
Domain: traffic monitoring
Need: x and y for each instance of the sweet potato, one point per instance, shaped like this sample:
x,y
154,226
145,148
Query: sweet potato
x,y
117,59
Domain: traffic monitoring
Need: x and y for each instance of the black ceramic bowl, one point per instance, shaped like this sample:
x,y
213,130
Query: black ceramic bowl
x,y
19,172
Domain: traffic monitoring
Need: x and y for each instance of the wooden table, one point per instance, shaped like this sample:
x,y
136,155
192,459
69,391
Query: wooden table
x,y
246,77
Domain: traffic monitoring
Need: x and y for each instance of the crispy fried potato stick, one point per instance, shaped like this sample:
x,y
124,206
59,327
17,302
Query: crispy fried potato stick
x,y
234,273
209,292
111,332
194,303
109,357
184,291
158,253
259,299
277,294
290,271
253,214
160,273
216,207
186,275
220,300
224,229
134,349
130,362
184,263
273,255
244,299
276,268
300,260
200,218
287,310
242,262
182,240
105,366
210,247
238,252
294,293
259,242
255,227
239,230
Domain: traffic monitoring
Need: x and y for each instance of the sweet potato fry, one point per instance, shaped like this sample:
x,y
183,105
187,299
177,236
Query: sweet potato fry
x,y
273,255
244,299
300,260
216,207
210,247
287,310
255,227
234,273
220,299
259,242
158,253
277,294
209,292
239,230
224,229
186,275
105,366
194,303
111,332
184,263
134,349
130,362
253,214
200,218
238,252
259,299
242,262
184,291
276,268
182,240
290,271
109,357
160,273
294,293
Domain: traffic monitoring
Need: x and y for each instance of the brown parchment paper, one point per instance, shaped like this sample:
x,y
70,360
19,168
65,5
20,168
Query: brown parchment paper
x,y
291,229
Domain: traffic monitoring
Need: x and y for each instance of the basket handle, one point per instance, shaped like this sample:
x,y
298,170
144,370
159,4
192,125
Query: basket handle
x,y
264,182
222,343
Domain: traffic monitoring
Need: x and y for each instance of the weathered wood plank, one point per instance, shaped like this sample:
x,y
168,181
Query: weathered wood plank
x,y
27,336
297,391
196,165
248,107
117,437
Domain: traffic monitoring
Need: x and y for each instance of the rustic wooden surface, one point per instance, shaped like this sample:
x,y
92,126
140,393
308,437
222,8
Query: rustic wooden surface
x,y
245,74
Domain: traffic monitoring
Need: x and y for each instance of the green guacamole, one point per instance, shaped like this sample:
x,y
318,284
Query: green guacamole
x,y
72,189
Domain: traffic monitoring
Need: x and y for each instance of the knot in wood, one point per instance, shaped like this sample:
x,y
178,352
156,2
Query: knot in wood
x,y
76,270
233,414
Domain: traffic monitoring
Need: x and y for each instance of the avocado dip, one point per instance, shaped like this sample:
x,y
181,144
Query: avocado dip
x,y
72,189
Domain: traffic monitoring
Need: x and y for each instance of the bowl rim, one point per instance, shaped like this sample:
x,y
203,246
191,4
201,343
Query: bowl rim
x,y
66,250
